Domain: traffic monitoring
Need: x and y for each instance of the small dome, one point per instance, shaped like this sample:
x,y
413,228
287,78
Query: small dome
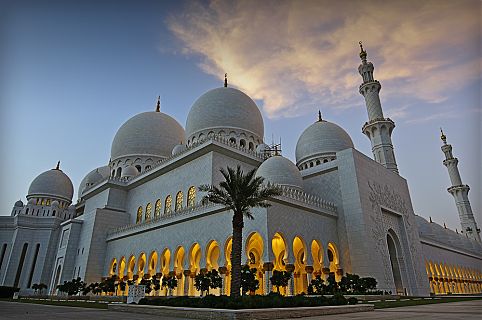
x,y
94,177
224,109
178,149
320,139
148,133
130,171
19,203
281,171
54,183
55,203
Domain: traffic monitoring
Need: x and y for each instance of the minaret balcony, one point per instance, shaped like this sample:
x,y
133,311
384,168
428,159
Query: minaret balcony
x,y
378,123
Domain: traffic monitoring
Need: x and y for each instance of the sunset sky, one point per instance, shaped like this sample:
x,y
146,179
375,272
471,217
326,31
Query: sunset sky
x,y
71,72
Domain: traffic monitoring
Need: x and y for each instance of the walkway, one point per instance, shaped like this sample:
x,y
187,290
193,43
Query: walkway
x,y
466,310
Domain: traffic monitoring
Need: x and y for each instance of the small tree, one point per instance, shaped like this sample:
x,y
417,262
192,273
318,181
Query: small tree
x,y
72,287
35,287
202,282
41,287
280,279
156,283
249,283
147,283
108,285
170,282
216,280
122,285
318,285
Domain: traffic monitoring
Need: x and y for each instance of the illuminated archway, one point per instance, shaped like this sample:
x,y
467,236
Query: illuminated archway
x,y
191,196
278,246
212,256
317,255
113,267
299,253
228,246
179,269
194,266
179,200
164,267
254,255
130,268
141,264
333,259
152,268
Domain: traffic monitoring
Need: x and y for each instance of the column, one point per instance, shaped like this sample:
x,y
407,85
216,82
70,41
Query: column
x,y
186,273
291,284
267,268
309,276
222,272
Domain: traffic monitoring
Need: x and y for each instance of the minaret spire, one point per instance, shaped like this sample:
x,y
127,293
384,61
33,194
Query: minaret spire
x,y
319,116
378,128
158,106
460,192
225,80
58,166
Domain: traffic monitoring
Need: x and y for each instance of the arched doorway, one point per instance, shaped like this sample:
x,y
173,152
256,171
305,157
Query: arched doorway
x,y
299,253
194,267
392,242
254,253
278,245
212,256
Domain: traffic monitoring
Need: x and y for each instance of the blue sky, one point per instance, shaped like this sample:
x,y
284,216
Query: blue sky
x,y
73,71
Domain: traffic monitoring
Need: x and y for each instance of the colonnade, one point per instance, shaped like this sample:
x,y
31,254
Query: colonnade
x,y
453,279
302,260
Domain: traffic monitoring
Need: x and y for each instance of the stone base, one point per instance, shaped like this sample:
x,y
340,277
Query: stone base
x,y
244,314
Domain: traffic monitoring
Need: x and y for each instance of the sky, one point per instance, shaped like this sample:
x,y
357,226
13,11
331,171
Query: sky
x,y
71,72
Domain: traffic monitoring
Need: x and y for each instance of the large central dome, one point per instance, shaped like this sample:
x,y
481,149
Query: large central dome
x,y
148,133
223,110
52,183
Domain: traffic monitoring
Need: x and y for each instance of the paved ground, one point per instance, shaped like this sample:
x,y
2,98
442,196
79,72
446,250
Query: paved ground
x,y
466,310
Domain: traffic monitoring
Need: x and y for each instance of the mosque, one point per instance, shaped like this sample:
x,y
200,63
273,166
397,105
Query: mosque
x,y
340,211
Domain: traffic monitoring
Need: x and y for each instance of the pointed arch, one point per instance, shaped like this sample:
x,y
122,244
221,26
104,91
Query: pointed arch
x,y
139,215
157,209
191,196
168,205
179,200
148,212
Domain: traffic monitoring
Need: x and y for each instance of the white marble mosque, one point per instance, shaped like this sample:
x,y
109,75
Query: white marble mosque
x,y
340,211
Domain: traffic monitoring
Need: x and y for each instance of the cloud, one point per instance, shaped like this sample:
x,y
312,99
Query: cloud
x,y
297,56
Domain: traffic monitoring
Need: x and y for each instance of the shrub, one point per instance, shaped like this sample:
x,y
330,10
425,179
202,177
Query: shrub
x,y
280,279
249,283
272,300
7,292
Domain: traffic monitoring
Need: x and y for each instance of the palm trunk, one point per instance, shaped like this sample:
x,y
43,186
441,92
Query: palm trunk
x,y
236,252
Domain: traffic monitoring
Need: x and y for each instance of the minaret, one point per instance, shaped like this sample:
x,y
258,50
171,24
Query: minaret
x,y
378,129
460,192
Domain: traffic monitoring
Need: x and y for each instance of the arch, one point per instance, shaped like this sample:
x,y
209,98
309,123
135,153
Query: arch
x,y
254,254
157,208
141,264
139,215
130,268
119,172
179,200
113,267
165,261
317,255
168,205
250,146
179,269
242,143
228,248
138,167
195,254
122,268
152,267
148,212
191,196
278,246
299,254
212,255
393,255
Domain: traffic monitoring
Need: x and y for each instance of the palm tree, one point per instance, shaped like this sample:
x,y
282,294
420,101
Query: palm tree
x,y
239,192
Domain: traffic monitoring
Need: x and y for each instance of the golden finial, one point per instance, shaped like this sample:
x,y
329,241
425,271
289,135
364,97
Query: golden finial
x,y
442,136
158,106
225,80
430,219
58,166
319,116
363,53
445,226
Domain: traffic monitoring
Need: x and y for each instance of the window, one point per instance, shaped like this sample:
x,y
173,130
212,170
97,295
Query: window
x,y
138,167
43,202
242,143
157,210
168,205
48,202
191,196
148,212
139,215
148,167
179,197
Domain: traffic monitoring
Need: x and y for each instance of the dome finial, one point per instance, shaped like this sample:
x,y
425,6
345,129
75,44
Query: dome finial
x,y
58,166
158,106
442,136
319,116
225,80
363,53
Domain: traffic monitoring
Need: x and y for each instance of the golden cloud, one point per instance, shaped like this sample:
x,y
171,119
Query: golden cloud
x,y
296,56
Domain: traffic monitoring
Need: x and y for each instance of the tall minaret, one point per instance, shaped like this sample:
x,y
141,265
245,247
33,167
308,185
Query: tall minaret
x,y
460,192
378,129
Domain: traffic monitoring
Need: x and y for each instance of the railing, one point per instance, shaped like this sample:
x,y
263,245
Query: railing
x,y
309,199
223,140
